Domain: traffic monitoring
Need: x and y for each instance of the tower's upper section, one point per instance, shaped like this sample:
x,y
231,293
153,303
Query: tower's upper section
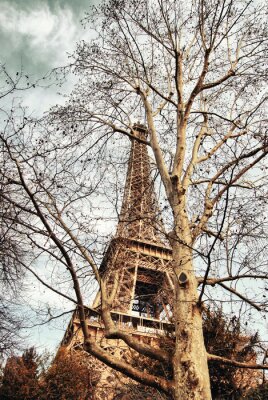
x,y
140,217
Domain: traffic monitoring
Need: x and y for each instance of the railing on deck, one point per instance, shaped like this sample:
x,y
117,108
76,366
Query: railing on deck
x,y
131,323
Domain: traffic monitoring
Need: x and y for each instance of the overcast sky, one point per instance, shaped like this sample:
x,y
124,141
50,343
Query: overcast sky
x,y
37,35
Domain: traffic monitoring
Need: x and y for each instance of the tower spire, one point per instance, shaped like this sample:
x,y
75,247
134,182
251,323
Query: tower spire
x,y
139,217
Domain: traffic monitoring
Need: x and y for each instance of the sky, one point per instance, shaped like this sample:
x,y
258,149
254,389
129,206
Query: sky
x,y
37,36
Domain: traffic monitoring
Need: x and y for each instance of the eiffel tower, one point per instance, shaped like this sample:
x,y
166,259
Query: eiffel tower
x,y
136,268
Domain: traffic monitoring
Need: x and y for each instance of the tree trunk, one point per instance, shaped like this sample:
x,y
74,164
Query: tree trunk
x,y
190,364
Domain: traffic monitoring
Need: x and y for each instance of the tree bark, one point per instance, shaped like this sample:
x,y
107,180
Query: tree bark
x,y
190,364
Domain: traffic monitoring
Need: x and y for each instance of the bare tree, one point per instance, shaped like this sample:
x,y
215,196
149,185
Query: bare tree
x,y
11,248
195,73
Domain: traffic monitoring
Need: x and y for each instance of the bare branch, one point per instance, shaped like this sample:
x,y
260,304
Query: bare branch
x,y
223,360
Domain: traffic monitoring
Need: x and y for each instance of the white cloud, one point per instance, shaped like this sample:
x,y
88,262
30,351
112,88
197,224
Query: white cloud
x,y
48,34
37,23
39,40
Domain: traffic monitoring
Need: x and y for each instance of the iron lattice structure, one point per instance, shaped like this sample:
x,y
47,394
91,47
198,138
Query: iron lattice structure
x,y
140,217
136,267
138,259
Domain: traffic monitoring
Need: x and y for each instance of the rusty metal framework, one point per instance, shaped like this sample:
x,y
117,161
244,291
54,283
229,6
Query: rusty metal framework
x,y
136,267
138,259
140,217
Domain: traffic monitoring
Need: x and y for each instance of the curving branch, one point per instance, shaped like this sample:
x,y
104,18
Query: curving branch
x,y
127,369
215,281
227,361
233,291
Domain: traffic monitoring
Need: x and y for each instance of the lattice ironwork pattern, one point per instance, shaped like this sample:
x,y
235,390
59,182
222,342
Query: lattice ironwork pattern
x,y
140,242
140,217
137,271
128,263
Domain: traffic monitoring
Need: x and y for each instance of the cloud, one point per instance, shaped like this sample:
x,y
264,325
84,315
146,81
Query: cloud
x,y
37,36
47,34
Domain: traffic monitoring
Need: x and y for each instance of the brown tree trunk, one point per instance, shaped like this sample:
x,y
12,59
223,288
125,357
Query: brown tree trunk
x,y
190,364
